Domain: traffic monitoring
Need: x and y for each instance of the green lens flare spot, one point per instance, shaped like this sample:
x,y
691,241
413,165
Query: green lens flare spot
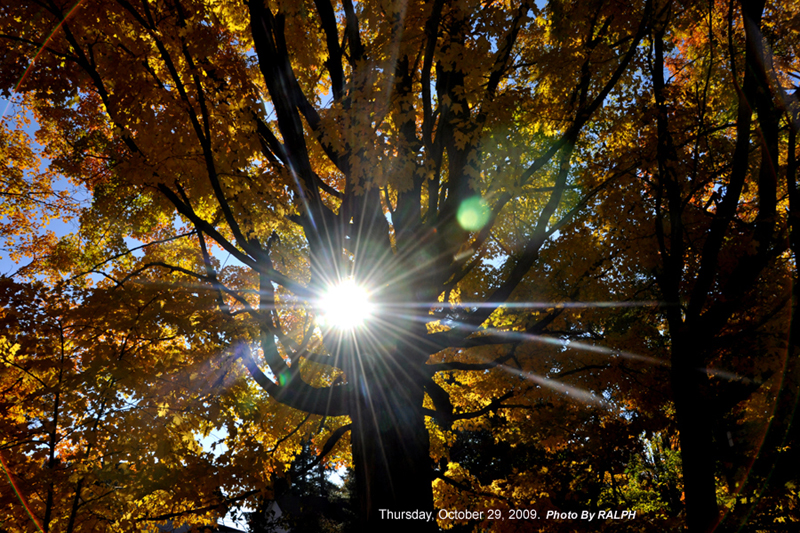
x,y
473,213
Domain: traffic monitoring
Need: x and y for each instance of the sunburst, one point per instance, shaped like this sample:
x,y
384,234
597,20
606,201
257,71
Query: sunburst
x,y
345,305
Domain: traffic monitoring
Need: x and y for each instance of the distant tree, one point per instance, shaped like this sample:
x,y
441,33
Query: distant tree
x,y
306,499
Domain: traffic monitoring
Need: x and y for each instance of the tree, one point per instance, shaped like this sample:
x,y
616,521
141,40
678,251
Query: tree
x,y
306,499
457,160
703,275
97,430
715,223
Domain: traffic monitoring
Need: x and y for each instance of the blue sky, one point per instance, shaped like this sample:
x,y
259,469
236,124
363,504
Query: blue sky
x,y
60,227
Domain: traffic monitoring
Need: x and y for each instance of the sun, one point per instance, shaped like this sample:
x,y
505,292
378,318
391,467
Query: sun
x,y
346,305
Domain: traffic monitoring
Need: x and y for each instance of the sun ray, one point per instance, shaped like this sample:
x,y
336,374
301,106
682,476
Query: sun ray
x,y
19,495
568,390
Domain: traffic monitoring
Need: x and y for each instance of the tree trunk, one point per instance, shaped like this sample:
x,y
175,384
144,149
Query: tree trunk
x,y
391,448
689,382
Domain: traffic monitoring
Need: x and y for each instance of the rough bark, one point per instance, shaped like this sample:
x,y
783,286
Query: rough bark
x,y
391,450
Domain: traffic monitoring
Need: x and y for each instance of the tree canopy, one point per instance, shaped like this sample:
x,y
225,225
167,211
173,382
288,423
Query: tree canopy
x,y
571,224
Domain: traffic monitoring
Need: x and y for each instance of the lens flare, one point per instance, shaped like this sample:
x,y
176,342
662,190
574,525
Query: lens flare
x,y
473,213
